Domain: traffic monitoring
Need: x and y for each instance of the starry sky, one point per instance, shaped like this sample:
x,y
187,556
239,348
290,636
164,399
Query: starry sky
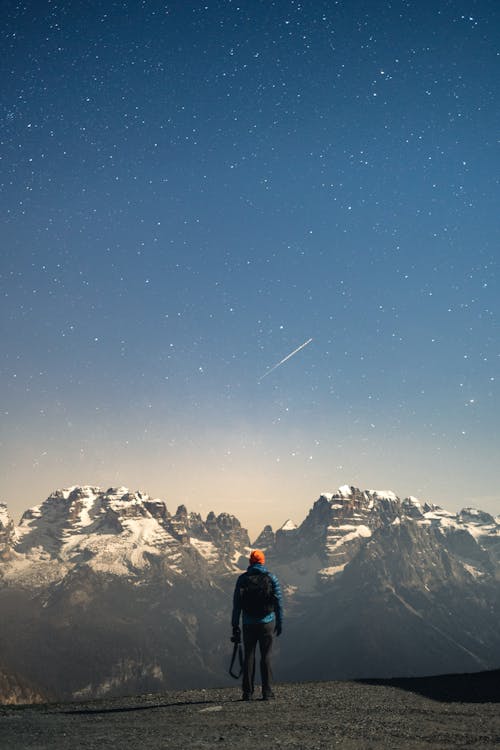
x,y
190,191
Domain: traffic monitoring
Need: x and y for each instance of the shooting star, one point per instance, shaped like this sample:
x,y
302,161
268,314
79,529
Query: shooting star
x,y
281,362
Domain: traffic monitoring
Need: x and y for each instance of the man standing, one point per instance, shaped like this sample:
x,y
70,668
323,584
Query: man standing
x,y
258,595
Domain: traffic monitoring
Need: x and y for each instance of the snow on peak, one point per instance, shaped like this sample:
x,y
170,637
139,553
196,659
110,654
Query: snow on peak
x,y
345,491
411,500
383,494
117,491
475,516
4,516
206,549
470,511
113,531
289,525
80,490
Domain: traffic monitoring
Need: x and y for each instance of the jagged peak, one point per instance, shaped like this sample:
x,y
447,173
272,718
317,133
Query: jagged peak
x,y
227,520
268,529
5,519
225,515
346,490
156,502
117,491
429,507
474,515
265,539
412,500
78,491
412,507
383,495
116,531
129,533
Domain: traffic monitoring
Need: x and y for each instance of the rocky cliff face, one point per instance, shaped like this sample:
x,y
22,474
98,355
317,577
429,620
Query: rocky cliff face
x,y
341,524
266,539
103,592
107,592
379,585
406,604
7,535
120,533
16,691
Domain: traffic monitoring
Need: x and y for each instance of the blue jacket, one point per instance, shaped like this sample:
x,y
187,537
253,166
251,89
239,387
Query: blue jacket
x,y
248,619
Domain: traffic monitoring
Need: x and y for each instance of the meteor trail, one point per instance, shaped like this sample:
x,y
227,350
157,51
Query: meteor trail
x,y
284,359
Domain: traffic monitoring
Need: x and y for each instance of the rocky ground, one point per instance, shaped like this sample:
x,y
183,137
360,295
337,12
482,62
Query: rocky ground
x,y
443,712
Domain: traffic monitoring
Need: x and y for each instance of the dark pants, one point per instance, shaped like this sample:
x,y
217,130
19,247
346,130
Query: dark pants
x,y
261,633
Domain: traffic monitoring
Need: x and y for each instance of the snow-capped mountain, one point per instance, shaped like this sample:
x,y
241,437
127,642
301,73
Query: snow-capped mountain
x,y
341,522
116,532
103,592
389,587
106,592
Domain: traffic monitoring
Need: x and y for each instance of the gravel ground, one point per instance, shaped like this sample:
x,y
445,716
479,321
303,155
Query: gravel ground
x,y
434,713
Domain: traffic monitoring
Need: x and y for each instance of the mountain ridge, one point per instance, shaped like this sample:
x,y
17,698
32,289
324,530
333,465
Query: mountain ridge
x,y
136,598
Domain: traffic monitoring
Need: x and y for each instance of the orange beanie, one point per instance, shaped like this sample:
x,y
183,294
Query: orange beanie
x,y
257,556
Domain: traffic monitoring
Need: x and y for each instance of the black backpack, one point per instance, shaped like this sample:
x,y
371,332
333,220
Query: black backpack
x,y
256,594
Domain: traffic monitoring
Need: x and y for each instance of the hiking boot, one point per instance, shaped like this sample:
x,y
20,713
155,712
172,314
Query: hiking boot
x,y
268,695
246,697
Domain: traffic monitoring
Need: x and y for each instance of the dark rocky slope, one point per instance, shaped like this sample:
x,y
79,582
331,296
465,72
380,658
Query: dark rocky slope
x,y
404,605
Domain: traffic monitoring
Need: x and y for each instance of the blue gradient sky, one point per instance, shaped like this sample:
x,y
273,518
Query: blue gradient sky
x,y
190,190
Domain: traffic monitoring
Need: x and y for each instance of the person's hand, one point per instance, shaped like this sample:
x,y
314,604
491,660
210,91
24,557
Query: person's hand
x,y
236,637
277,629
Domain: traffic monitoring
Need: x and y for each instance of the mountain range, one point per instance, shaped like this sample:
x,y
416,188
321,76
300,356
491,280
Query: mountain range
x,y
108,593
